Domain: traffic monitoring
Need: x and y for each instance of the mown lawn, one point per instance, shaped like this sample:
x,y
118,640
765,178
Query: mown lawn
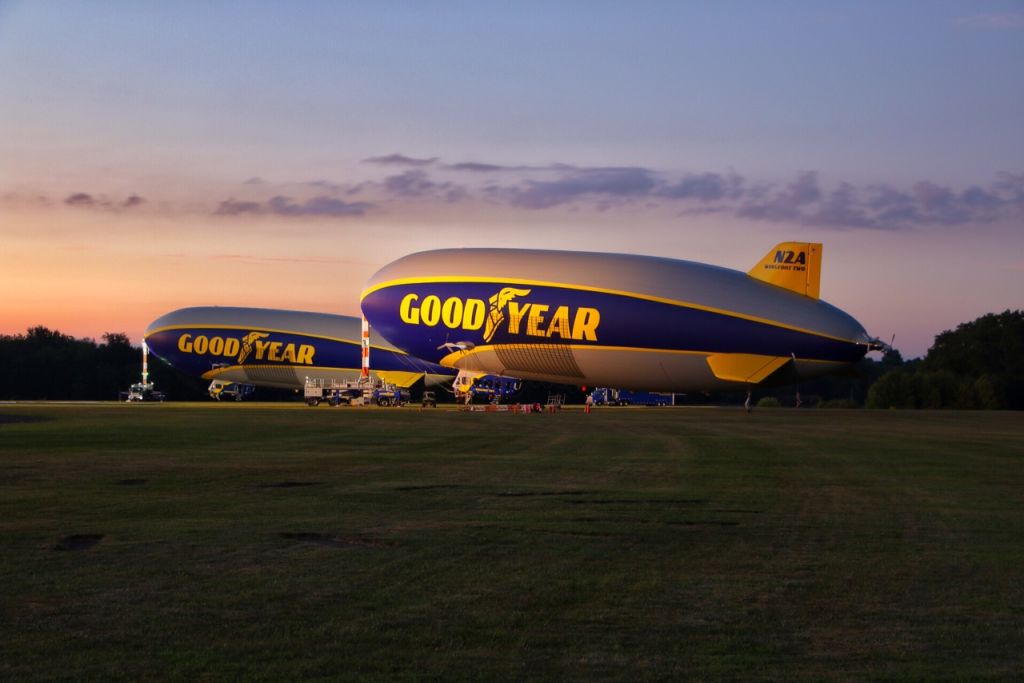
x,y
273,543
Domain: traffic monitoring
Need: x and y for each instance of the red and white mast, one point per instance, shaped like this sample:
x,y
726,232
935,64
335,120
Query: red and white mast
x,y
366,349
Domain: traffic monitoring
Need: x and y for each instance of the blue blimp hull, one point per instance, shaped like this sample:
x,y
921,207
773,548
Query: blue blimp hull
x,y
277,348
612,319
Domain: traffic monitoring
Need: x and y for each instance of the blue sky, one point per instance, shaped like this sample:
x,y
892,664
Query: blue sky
x,y
874,91
706,129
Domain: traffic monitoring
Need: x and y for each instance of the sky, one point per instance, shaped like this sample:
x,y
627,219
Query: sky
x,y
158,155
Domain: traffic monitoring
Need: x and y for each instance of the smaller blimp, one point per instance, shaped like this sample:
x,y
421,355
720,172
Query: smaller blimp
x,y
619,320
278,348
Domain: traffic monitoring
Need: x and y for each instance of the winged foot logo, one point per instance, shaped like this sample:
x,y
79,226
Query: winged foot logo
x,y
506,311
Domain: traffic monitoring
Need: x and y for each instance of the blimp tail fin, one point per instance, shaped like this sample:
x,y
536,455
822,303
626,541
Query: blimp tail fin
x,y
792,265
745,367
399,377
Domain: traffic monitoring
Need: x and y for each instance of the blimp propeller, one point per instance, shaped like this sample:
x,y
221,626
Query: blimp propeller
x,y
875,344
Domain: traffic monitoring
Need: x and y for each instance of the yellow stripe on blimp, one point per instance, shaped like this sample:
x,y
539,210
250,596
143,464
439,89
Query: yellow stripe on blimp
x,y
398,377
599,290
730,363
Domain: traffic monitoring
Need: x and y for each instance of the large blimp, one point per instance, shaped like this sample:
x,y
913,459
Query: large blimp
x,y
277,348
615,320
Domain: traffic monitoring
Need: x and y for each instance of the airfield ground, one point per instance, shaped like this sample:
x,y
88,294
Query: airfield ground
x,y
277,543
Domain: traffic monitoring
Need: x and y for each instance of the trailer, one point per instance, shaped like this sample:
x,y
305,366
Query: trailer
x,y
604,396
390,395
221,390
476,387
354,392
334,392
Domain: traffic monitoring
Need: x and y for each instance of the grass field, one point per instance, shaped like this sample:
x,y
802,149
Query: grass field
x,y
276,543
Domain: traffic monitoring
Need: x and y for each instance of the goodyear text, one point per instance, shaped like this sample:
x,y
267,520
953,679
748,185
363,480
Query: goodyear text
x,y
253,346
501,311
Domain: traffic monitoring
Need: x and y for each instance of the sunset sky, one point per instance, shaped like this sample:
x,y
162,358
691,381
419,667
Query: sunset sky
x,y
156,155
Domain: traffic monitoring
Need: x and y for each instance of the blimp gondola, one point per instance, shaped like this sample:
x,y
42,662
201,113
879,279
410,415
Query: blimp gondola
x,y
622,320
278,348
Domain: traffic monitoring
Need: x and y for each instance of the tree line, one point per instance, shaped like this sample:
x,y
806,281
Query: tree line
x,y
979,365
46,364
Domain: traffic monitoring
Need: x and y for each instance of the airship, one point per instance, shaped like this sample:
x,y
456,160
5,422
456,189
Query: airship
x,y
618,320
278,348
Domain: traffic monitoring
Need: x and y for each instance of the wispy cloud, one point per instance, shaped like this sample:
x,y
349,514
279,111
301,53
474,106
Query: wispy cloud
x,y
84,200
477,167
595,183
234,207
883,207
785,204
481,167
410,184
399,160
804,200
286,206
705,187
415,184
326,186
994,21
80,199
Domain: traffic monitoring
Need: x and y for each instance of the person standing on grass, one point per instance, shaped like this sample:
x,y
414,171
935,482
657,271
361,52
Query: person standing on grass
x,y
589,403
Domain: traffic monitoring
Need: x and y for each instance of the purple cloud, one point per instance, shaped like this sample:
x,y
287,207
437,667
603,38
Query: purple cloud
x,y
841,208
479,167
326,186
317,206
80,199
705,187
603,183
286,206
399,160
883,207
410,184
804,200
1011,187
785,205
84,200
417,184
233,207
476,167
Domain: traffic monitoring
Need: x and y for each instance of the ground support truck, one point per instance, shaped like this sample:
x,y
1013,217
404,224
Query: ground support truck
x,y
372,391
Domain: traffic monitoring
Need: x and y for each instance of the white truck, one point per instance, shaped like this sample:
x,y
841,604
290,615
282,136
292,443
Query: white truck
x,y
353,392
142,392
